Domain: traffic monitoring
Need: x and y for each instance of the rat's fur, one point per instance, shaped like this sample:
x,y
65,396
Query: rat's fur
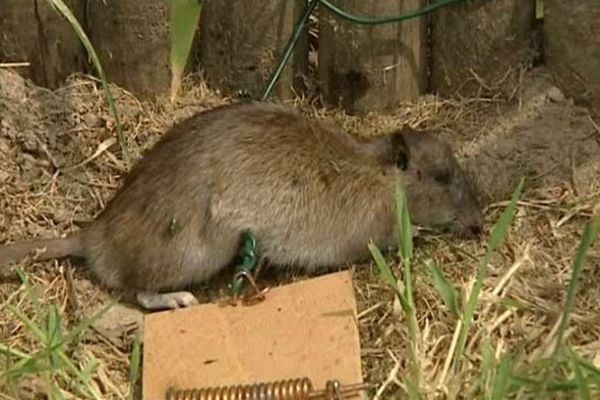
x,y
313,195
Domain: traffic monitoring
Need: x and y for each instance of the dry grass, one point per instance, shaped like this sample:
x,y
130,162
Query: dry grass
x,y
59,164
520,306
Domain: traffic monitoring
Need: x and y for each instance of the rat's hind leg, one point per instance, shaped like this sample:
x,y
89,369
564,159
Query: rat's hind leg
x,y
161,301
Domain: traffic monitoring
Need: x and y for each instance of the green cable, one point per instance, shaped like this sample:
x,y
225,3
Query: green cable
x,y
378,21
287,53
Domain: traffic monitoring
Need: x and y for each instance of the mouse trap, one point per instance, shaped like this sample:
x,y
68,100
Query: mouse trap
x,y
301,342
292,389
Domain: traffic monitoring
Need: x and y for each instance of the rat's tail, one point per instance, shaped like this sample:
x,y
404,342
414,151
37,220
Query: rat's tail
x,y
42,249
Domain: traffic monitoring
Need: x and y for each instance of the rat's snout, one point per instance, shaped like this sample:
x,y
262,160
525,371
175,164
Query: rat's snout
x,y
475,230
470,216
471,225
471,231
470,212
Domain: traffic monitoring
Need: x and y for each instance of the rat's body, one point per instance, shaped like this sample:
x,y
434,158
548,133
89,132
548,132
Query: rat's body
x,y
313,195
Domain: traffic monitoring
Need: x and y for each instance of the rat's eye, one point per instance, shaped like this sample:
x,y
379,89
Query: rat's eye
x,y
442,176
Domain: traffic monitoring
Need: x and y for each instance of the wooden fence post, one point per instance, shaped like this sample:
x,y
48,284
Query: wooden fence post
x,y
34,32
479,43
572,40
371,68
132,39
241,42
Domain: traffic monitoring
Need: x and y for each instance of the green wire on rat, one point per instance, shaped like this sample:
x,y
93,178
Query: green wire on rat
x,y
250,258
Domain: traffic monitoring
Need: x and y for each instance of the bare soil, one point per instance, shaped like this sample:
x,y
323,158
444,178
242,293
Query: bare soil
x,y
60,162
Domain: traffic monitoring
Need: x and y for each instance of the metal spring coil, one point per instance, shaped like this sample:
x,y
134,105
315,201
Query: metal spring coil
x,y
291,389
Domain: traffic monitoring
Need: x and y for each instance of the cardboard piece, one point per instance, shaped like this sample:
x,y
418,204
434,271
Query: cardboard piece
x,y
305,329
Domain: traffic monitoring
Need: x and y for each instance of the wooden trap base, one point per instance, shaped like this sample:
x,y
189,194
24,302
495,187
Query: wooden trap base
x,y
305,329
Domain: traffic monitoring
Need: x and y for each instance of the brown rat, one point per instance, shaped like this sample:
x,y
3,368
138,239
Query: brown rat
x,y
313,195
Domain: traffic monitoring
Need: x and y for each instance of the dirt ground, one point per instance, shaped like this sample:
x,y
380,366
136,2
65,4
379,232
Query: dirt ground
x,y
60,163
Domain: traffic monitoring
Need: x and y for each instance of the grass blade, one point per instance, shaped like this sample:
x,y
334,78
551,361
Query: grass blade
x,y
63,9
184,22
488,361
405,248
447,292
590,234
86,323
502,379
405,235
497,237
386,273
588,367
412,390
89,368
32,294
55,391
54,342
580,379
55,350
55,333
10,352
29,324
134,368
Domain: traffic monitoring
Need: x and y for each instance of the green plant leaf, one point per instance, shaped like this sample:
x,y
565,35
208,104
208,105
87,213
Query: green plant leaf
x,y
447,292
89,368
63,9
185,15
405,234
591,232
488,360
502,378
55,333
134,368
32,294
55,392
29,324
55,349
412,390
590,369
539,9
384,269
388,276
582,384
497,237
86,323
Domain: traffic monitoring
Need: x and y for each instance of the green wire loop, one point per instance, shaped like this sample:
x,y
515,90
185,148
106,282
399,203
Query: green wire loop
x,y
250,257
287,53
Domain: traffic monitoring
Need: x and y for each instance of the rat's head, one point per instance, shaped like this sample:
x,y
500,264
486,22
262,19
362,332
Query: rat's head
x,y
438,192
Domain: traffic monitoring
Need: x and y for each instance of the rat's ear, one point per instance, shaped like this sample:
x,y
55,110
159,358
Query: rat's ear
x,y
400,150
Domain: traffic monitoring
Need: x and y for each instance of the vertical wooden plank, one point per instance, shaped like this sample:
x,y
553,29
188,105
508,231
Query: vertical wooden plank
x,y
133,42
242,41
34,32
376,67
572,39
480,42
